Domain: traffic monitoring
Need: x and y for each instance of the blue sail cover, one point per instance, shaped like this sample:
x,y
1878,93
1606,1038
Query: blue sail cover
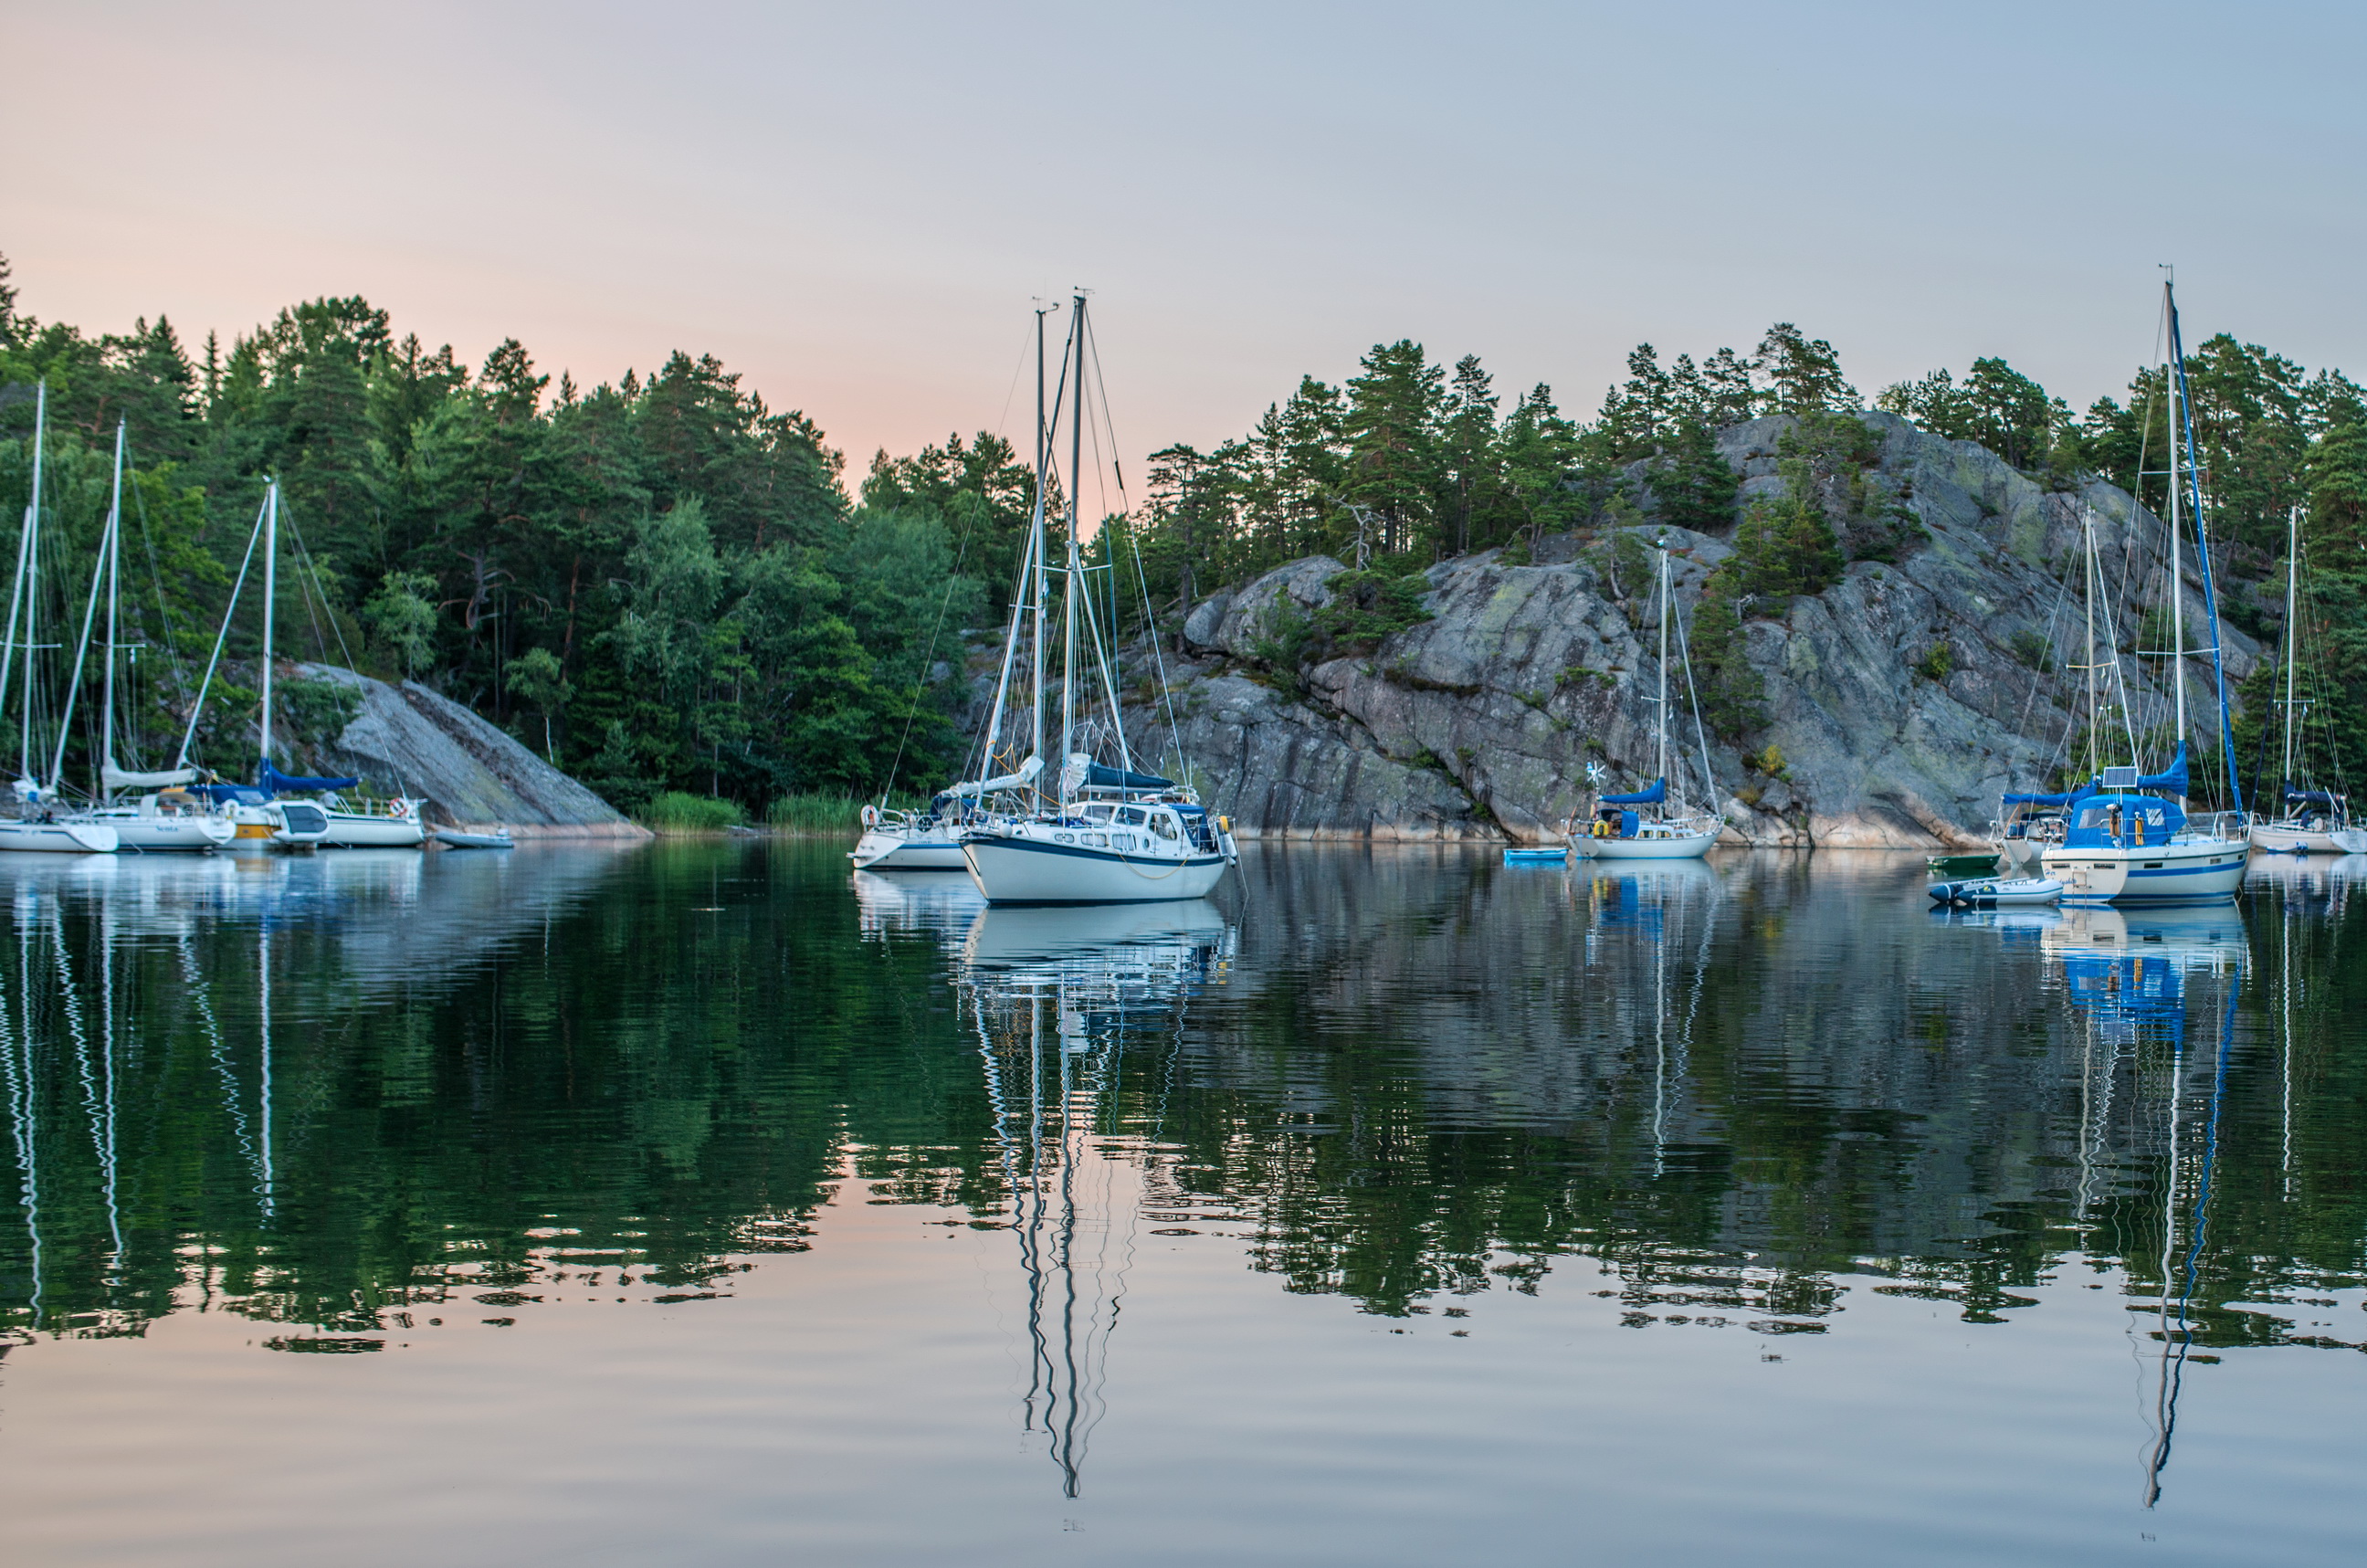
x,y
1651,797
279,783
1098,777
2171,780
2312,800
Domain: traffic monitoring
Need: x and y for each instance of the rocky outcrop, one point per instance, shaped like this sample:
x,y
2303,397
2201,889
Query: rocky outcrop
x,y
471,774
1481,721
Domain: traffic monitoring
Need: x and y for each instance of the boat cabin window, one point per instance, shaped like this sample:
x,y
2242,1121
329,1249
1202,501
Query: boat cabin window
x,y
1100,813
1163,824
1130,816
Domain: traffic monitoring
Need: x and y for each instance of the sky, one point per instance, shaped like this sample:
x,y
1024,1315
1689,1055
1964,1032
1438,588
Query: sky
x,y
854,205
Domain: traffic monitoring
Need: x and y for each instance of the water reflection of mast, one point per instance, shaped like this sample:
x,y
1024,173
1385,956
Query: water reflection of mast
x,y
2175,1343
18,1040
1024,972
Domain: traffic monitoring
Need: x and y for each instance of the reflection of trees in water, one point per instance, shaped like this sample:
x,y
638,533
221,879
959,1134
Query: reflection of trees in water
x,y
1423,1077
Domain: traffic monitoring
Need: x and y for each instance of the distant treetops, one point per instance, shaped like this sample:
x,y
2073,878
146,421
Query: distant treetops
x,y
666,584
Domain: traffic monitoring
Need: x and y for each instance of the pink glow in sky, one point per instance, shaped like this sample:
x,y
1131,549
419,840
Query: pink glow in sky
x,y
854,204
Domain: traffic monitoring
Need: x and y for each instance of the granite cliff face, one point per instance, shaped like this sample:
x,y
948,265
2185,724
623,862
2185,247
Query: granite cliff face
x,y
1480,722
469,772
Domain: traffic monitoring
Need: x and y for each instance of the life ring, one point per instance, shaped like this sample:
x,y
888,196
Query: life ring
x,y
870,817
400,809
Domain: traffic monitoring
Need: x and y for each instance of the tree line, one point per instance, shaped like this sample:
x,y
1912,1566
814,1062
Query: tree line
x,y
664,584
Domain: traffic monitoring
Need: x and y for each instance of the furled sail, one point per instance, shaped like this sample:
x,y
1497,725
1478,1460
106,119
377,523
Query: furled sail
x,y
1651,797
1019,781
115,777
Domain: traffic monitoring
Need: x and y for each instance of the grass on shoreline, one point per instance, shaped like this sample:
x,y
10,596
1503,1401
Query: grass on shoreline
x,y
812,813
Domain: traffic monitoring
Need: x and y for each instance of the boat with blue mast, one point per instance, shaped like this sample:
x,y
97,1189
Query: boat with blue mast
x,y
2127,836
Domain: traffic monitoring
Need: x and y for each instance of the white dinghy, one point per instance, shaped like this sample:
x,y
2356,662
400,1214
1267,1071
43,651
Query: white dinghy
x,y
1997,892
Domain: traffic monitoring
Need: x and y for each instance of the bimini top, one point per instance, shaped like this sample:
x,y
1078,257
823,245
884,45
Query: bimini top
x,y
2123,820
279,783
1649,797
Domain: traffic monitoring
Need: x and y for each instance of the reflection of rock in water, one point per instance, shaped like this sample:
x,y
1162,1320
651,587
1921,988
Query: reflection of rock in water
x,y
1055,996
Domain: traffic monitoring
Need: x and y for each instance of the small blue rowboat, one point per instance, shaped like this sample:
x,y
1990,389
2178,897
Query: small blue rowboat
x,y
1536,855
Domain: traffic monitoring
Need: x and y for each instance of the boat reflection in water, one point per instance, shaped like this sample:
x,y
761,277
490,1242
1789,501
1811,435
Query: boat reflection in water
x,y
938,906
151,1008
1056,997
2156,992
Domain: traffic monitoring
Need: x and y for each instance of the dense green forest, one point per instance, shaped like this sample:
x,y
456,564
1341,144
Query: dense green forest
x,y
669,585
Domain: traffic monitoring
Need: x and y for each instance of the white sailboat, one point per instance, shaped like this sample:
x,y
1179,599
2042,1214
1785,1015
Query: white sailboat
x,y
39,827
172,819
2314,822
1092,831
1643,825
2127,838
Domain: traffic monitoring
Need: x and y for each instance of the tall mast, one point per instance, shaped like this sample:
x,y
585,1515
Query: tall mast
x,y
113,597
82,645
1037,579
1664,669
31,574
24,546
1068,588
2087,541
2292,637
2177,564
270,592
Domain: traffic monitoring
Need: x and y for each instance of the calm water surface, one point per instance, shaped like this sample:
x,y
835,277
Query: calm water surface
x,y
701,1203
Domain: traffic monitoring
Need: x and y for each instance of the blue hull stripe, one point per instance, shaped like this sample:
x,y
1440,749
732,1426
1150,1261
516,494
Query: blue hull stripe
x,y
1117,857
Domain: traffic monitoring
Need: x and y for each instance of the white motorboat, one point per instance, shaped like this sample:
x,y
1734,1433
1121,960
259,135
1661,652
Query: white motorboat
x,y
1646,825
1103,832
372,825
1997,892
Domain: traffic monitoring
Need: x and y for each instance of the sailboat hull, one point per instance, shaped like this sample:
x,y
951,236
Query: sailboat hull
x,y
58,837
2288,838
361,830
908,850
2188,871
189,834
1016,869
1668,846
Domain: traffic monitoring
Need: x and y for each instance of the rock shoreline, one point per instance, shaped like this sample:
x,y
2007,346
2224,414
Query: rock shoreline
x,y
1478,723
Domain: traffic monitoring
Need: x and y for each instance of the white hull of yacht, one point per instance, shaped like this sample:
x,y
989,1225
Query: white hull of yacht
x,y
159,835
1020,868
2185,871
1647,845
908,850
359,830
58,837
2287,839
